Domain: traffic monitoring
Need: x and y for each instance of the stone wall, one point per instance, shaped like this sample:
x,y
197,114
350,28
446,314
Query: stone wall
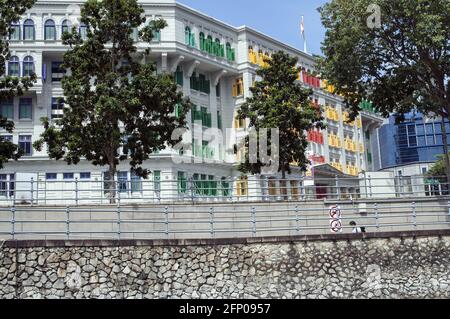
x,y
353,268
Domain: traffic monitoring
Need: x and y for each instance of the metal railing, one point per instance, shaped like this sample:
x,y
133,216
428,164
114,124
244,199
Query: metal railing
x,y
218,221
256,189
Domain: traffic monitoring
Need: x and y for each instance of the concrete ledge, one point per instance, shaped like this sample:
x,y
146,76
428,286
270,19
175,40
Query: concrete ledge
x,y
225,241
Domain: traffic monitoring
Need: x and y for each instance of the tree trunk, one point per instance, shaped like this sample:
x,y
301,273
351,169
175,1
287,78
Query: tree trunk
x,y
283,185
111,184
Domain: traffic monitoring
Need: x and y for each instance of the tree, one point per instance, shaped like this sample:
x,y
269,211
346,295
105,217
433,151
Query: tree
x,y
10,11
280,101
438,169
394,53
113,101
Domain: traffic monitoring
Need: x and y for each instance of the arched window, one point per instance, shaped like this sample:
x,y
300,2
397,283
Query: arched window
x,y
65,26
83,31
28,30
14,35
28,66
209,46
49,30
202,41
14,66
187,35
217,47
230,52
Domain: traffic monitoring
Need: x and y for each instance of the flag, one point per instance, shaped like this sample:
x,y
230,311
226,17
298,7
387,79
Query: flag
x,y
302,26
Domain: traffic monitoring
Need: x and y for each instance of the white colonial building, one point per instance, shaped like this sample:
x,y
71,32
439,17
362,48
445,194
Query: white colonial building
x,y
215,65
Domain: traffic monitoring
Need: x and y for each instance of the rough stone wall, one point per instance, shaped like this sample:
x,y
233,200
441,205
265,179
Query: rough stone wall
x,y
373,268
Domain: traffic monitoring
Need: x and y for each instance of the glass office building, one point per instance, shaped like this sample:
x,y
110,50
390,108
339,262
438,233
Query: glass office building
x,y
416,140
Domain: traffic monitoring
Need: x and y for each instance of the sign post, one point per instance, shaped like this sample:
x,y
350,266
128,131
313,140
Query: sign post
x,y
335,219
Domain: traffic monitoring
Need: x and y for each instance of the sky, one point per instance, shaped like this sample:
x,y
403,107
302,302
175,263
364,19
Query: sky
x,y
277,18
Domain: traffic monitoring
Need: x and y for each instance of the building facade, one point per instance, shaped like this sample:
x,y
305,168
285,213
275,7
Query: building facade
x,y
215,65
415,144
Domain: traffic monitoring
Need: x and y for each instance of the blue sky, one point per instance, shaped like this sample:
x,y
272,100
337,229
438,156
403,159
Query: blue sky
x,y
279,19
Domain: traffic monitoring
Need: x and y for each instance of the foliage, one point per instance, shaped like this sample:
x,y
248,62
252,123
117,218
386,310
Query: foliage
x,y
113,100
402,65
280,101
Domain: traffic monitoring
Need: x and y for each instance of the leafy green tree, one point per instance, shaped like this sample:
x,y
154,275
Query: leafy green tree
x,y
113,100
10,11
438,169
394,53
280,101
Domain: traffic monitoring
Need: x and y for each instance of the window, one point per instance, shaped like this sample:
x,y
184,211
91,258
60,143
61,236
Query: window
x,y
136,183
25,109
28,66
230,53
200,83
212,187
157,180
238,87
57,71
218,89
85,175
203,185
242,186
202,41
209,45
14,34
28,30
65,26
83,31
189,37
3,184
179,76
68,176
49,30
240,123
225,185
5,180
14,66
57,107
182,184
7,109
156,36
50,176
122,178
7,138
25,144
219,120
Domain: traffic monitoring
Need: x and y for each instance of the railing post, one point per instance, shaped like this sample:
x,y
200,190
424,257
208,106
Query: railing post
x,y
338,189
414,215
266,186
377,223
76,191
448,205
191,188
68,222
13,222
254,221
370,187
166,213
118,192
211,221
119,222
32,186
297,219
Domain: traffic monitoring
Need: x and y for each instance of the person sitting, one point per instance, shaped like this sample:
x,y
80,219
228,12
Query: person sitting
x,y
357,230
